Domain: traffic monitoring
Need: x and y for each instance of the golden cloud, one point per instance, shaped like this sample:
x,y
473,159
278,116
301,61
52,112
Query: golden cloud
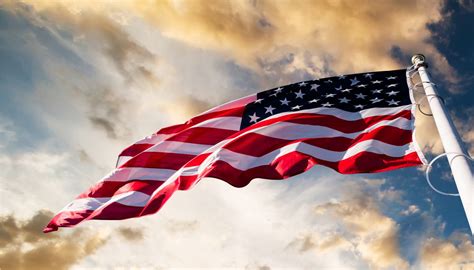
x,y
23,245
321,35
454,253
371,233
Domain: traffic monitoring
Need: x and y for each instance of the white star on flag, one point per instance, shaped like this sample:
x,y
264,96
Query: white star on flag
x,y
284,102
362,96
253,118
299,94
314,87
354,81
393,102
392,93
344,100
375,100
269,109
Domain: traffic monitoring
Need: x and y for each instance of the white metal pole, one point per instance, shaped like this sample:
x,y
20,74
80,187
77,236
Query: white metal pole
x,y
460,165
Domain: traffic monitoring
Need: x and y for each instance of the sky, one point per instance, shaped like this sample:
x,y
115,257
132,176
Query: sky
x,y
81,80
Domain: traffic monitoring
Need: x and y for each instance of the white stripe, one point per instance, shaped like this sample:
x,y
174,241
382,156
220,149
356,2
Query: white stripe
x,y
281,130
293,131
122,159
351,116
179,148
233,123
125,174
226,122
85,204
131,198
245,162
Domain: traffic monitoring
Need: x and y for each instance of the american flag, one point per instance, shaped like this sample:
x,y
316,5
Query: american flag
x,y
358,123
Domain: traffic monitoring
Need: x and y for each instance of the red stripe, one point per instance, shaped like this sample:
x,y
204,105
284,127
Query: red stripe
x,y
202,135
67,219
158,160
111,188
135,149
116,211
201,118
295,163
346,126
119,211
330,121
284,167
198,135
246,143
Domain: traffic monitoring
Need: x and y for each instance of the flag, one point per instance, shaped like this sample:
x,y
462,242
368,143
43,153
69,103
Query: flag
x,y
358,123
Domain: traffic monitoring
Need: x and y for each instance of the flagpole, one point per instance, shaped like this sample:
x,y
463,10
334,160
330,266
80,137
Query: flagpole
x,y
455,151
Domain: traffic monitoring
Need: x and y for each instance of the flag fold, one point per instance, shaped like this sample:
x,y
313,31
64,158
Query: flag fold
x,y
358,123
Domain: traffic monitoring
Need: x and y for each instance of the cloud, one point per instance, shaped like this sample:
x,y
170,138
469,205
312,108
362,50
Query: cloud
x,y
261,34
467,4
454,253
106,112
412,209
7,134
427,133
282,41
24,246
132,74
465,126
131,234
180,226
373,235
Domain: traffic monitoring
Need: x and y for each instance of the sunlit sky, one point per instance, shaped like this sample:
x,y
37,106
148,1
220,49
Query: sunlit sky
x,y
81,80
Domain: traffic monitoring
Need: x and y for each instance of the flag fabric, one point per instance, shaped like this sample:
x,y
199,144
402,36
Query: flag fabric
x,y
358,123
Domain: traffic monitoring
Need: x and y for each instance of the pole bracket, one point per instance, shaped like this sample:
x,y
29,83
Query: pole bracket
x,y
430,166
418,103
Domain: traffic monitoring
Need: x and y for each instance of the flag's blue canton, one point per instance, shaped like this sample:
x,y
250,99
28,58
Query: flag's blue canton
x,y
354,92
